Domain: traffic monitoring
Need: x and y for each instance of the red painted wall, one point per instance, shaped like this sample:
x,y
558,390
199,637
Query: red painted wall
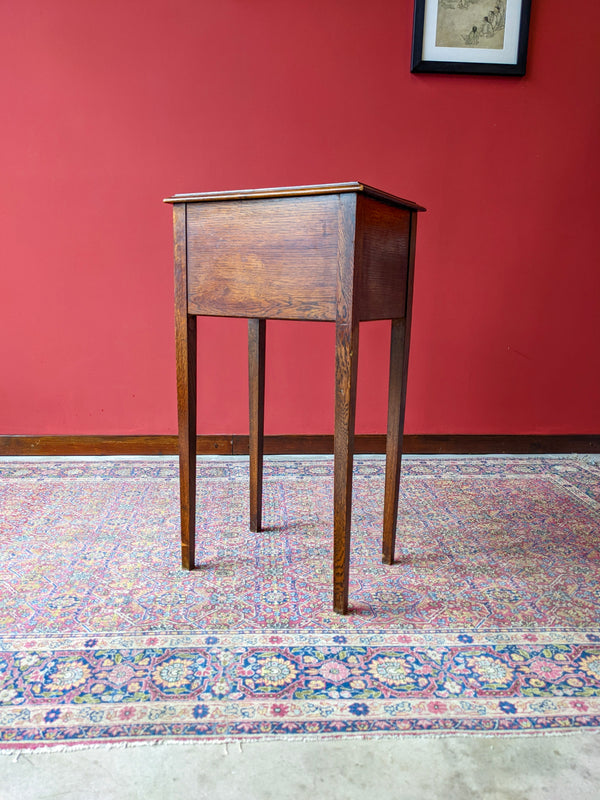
x,y
110,105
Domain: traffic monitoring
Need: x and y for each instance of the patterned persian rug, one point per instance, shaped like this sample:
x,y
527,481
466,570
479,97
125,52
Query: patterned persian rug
x,y
488,622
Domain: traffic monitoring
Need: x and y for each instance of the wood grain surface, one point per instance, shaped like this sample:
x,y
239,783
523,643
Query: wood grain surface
x,y
256,391
271,258
382,259
185,349
294,191
346,366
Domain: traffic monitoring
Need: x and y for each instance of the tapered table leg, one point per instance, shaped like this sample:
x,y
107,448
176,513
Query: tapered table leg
x,y
256,374
185,347
346,361
395,427
186,405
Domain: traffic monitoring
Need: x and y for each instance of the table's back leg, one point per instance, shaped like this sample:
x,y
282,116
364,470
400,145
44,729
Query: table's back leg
x,y
256,374
346,362
395,428
399,350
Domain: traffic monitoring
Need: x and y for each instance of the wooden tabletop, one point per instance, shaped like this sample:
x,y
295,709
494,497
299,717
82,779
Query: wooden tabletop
x,y
294,191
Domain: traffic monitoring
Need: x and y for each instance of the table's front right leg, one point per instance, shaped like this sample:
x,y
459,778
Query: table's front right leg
x,y
185,347
256,373
346,362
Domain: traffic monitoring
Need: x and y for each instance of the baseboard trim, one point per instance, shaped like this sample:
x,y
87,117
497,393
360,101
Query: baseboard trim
x,y
425,444
107,445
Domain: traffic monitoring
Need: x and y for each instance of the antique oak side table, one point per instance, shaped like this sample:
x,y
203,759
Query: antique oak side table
x,y
342,253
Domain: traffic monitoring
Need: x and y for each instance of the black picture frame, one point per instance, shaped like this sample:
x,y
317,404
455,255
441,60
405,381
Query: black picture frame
x,y
517,61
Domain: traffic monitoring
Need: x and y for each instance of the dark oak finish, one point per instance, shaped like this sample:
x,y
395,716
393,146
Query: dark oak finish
x,y
256,376
270,258
393,440
346,363
185,343
399,351
294,191
382,250
341,253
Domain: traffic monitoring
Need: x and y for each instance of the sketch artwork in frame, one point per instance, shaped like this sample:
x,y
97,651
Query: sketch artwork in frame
x,y
476,37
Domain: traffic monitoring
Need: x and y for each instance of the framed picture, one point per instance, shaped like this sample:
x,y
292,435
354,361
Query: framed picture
x,y
476,37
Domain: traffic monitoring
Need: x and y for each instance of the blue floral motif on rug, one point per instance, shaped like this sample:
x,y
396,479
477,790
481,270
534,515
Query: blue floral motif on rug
x,y
489,621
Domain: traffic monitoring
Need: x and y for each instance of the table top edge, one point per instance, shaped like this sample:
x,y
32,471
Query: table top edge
x,y
293,191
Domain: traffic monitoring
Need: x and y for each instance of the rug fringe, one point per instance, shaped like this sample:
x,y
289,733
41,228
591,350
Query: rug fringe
x,y
225,743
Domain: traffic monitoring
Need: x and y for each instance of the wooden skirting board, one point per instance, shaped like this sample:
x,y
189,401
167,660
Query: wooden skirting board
x,y
295,445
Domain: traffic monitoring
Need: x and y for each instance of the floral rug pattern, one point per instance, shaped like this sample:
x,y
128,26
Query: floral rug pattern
x,y
489,621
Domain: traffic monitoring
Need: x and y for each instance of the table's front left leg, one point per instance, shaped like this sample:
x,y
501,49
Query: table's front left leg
x,y
185,347
346,362
256,374
186,407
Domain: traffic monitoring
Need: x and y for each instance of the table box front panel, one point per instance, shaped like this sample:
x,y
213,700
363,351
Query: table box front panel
x,y
271,258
